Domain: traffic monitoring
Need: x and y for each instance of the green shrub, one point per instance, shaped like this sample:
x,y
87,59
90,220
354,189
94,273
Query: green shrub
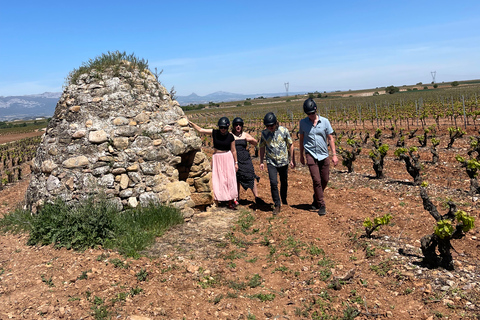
x,y
93,223
17,221
137,228
79,227
107,60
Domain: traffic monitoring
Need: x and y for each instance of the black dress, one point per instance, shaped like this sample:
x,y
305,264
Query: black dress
x,y
246,174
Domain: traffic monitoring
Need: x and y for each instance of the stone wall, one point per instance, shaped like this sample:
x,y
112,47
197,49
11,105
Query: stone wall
x,y
120,134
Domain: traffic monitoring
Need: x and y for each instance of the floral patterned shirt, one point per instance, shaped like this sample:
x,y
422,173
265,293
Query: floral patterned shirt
x,y
276,146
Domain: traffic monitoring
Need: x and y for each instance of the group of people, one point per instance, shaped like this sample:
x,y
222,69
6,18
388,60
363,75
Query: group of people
x,y
232,165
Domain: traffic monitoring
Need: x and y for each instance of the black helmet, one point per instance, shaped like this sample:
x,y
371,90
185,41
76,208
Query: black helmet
x,y
309,106
223,122
269,119
237,120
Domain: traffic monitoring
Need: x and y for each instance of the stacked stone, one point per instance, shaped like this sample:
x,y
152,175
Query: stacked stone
x,y
120,134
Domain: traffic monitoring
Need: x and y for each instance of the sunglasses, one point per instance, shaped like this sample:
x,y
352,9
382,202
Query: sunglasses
x,y
270,126
309,114
238,125
222,127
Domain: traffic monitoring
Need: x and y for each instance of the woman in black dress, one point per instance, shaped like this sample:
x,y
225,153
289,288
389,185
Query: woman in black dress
x,y
246,176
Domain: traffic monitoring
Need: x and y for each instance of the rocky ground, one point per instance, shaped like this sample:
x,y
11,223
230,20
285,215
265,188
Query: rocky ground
x,y
248,264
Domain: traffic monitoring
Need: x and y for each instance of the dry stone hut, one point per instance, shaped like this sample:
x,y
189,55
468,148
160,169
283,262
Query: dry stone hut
x,y
116,131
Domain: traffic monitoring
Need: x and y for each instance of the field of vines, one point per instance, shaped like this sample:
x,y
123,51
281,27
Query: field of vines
x,y
457,107
14,159
418,127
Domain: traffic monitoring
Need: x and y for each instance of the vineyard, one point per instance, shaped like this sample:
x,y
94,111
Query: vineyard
x,y
399,155
14,159
456,107
414,125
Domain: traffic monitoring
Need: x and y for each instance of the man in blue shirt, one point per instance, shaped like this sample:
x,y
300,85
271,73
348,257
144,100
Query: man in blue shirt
x,y
315,133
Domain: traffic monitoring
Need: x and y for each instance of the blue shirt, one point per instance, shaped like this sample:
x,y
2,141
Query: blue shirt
x,y
315,138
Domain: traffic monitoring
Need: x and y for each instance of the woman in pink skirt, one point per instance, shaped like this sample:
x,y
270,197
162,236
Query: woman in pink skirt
x,y
224,162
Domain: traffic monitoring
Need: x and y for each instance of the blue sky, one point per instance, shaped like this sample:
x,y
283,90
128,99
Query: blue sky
x,y
243,46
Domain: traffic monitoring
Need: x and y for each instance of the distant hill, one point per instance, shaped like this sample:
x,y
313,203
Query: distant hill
x,y
28,107
222,96
43,105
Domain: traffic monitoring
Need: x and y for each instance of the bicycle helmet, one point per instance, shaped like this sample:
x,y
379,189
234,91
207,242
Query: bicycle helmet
x,y
309,106
223,122
269,119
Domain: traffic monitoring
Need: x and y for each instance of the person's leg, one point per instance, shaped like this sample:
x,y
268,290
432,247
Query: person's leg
x,y
238,190
313,166
272,175
254,189
283,173
325,173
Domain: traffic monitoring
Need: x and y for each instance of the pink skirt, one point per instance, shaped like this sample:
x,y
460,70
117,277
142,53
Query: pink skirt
x,y
224,177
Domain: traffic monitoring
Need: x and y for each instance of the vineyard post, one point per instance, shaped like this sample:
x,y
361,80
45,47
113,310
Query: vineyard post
x,y
464,114
416,111
453,114
376,113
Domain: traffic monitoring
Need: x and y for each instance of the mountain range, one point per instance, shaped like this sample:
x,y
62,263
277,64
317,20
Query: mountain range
x,y
43,105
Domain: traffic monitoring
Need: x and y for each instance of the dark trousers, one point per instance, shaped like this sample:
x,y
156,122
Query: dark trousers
x,y
320,172
272,175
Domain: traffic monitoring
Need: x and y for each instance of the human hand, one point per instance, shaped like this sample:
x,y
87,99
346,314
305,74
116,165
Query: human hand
x,y
262,167
302,159
292,164
335,160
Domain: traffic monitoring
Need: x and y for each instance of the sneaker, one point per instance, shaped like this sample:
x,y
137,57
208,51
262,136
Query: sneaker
x,y
322,211
276,210
284,201
314,206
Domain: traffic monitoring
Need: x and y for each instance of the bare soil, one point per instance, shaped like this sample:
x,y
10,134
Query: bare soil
x,y
221,265
9,137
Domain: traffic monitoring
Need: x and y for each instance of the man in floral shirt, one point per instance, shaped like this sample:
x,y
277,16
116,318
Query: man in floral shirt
x,y
277,145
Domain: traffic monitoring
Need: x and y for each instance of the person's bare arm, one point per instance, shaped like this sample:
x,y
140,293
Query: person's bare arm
x,y
331,141
234,152
250,139
302,150
200,129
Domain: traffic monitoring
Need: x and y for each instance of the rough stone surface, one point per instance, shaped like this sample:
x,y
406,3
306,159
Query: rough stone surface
x,y
119,133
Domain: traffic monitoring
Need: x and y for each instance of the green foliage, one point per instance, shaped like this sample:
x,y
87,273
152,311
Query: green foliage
x,y
17,221
466,220
444,228
255,281
370,226
93,223
455,131
391,89
119,263
401,151
455,83
135,229
79,227
108,60
48,281
264,297
383,149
